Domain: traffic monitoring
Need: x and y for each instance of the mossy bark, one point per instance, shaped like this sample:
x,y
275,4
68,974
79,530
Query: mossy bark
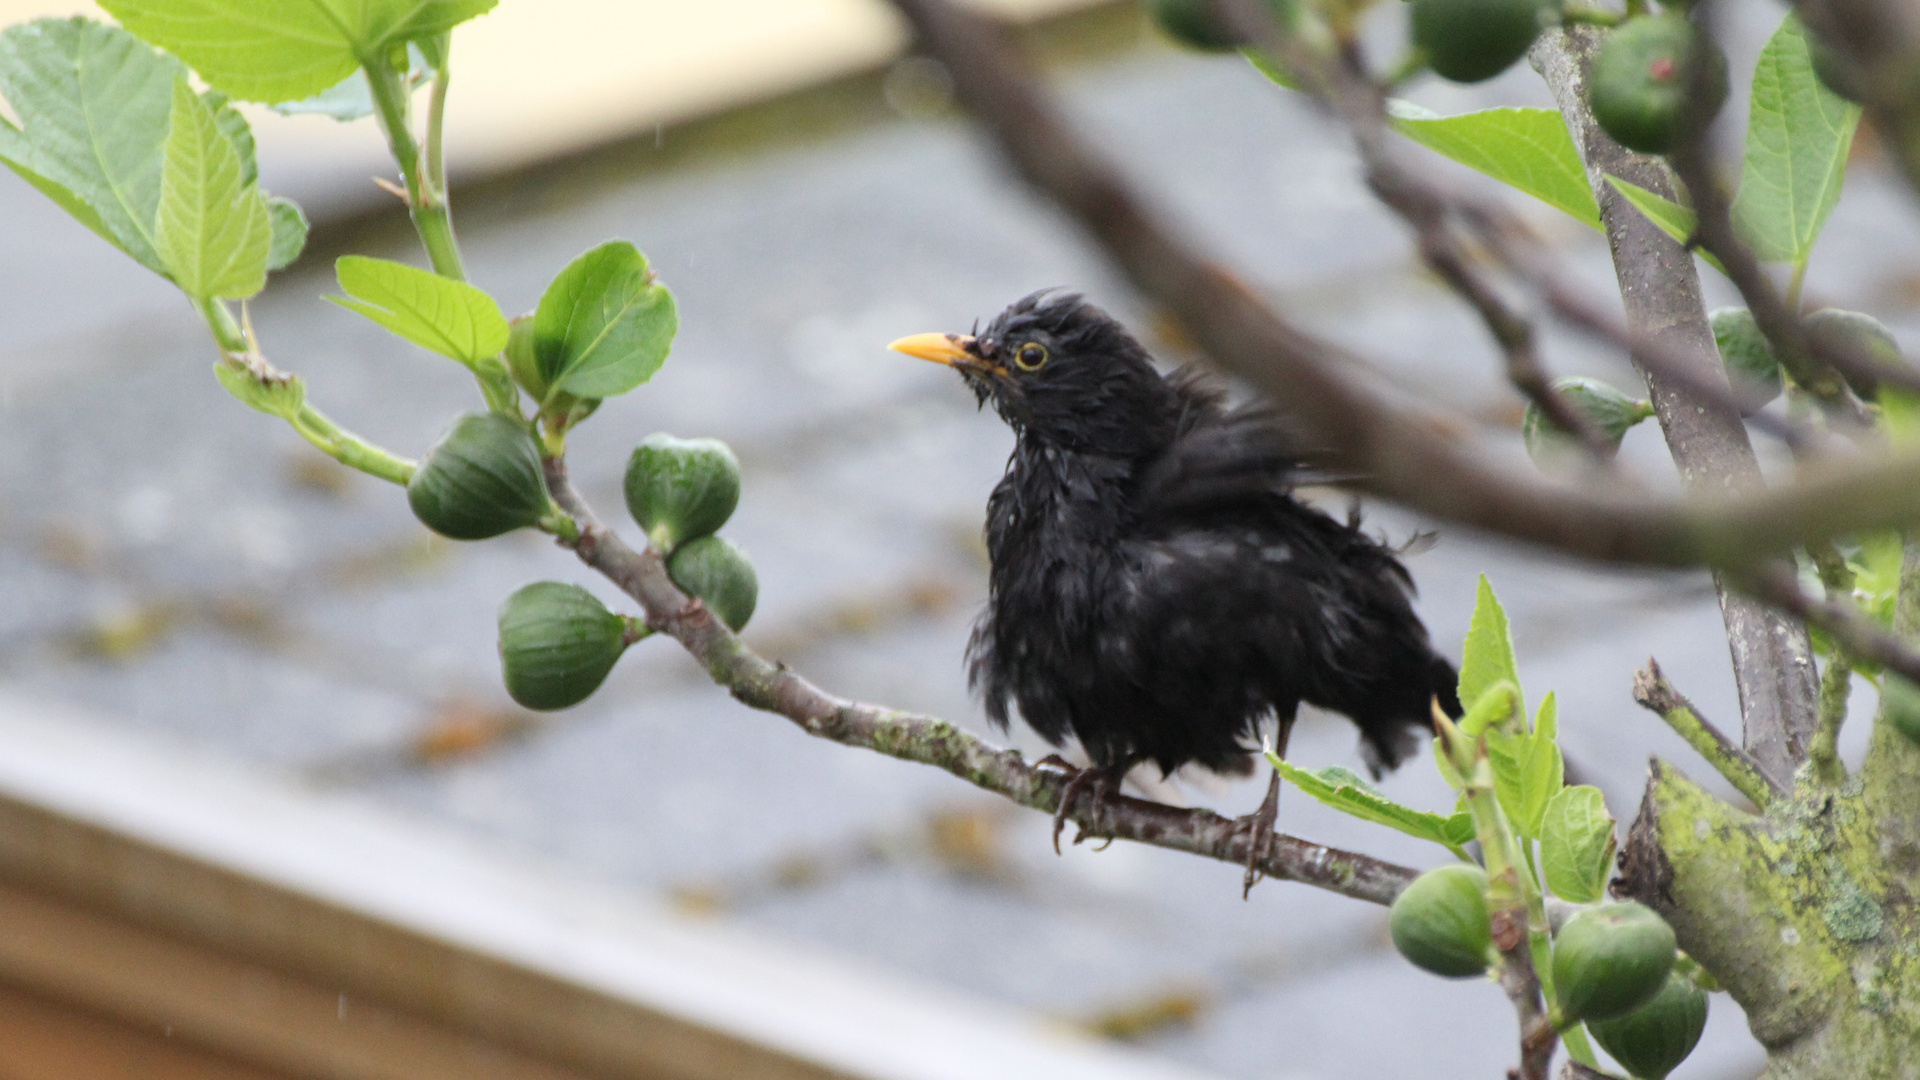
x,y
1806,914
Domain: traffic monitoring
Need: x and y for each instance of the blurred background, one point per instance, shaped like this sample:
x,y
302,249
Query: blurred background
x,y
189,576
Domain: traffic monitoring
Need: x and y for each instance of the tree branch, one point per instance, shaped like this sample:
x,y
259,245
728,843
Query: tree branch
x,y
773,687
1772,657
1653,693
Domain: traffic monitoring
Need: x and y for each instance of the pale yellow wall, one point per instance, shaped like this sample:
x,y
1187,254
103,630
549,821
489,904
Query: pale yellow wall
x,y
538,77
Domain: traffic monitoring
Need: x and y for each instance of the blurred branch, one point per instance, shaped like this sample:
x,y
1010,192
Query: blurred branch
x,y
1403,455
773,687
1849,628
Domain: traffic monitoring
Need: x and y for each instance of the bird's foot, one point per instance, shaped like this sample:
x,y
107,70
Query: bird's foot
x,y
1097,783
1259,826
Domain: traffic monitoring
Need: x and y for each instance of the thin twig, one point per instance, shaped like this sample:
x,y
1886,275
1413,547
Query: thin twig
x,y
775,688
1652,691
1577,307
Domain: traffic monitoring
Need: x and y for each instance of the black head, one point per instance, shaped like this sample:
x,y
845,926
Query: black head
x,y
1062,371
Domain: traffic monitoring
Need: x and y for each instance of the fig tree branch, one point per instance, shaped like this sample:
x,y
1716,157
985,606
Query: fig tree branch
x,y
1660,291
1655,694
773,687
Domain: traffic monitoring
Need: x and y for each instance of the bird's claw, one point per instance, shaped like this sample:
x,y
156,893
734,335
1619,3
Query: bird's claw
x,y
1260,836
1076,783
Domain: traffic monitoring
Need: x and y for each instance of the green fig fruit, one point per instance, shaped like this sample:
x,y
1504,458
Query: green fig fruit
x,y
1439,922
681,489
1860,335
1900,705
1654,1038
717,571
1610,410
1469,41
1638,86
1193,23
1831,70
1198,24
557,643
1751,365
482,478
1609,959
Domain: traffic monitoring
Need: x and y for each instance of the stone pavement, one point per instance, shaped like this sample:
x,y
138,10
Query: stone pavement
x,y
175,561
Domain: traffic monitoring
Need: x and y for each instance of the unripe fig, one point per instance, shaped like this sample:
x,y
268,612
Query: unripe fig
x,y
1470,41
1199,24
1609,410
557,643
717,571
482,478
1831,70
681,489
1439,922
1607,960
1751,365
1900,705
1857,333
1654,1038
1639,82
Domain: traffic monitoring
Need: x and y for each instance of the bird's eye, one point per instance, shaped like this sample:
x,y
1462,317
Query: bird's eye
x,y
1030,357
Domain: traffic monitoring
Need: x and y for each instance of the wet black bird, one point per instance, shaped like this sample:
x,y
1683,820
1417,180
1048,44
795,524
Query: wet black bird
x,y
1157,591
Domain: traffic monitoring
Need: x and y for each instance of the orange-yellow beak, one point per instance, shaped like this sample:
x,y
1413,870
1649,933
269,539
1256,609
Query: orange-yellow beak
x,y
948,349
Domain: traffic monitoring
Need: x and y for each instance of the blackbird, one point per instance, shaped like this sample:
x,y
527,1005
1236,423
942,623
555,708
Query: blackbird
x,y
1157,591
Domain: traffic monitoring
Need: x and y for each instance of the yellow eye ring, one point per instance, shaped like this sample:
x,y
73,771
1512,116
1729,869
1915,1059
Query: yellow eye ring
x,y
1030,357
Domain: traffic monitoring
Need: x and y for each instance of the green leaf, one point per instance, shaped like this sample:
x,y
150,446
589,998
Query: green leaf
x,y
436,313
291,49
234,127
214,232
1675,220
1487,657
603,326
1798,134
1344,790
1528,149
276,395
1576,844
1264,65
94,104
289,232
1543,773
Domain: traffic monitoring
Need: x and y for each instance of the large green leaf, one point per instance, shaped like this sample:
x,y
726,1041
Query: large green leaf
x,y
1528,149
1798,133
283,50
604,326
1487,658
437,313
1343,790
95,104
1576,844
214,232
